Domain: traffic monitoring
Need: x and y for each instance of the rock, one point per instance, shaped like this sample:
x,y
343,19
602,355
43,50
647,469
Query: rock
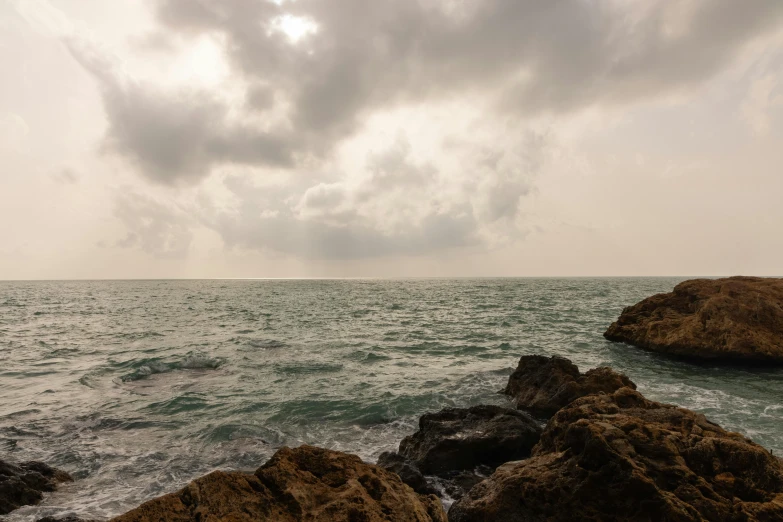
x,y
457,483
407,471
543,385
306,483
462,446
736,319
24,484
463,438
621,457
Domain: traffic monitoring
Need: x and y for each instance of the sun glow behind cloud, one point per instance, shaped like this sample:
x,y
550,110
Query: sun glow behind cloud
x,y
201,63
295,28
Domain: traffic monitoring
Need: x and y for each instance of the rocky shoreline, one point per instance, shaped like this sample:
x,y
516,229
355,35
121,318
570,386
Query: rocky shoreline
x,y
605,453
574,446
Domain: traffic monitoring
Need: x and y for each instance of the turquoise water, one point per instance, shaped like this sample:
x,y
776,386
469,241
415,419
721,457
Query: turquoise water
x,y
137,387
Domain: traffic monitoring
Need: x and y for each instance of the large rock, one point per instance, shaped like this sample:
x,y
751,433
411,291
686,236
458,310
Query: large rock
x,y
24,484
621,457
407,471
734,319
462,446
543,385
464,438
305,483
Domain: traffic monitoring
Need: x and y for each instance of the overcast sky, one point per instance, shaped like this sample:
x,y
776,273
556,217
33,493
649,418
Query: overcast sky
x,y
352,138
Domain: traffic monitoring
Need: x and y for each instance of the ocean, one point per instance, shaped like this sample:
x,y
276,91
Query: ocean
x,y
138,387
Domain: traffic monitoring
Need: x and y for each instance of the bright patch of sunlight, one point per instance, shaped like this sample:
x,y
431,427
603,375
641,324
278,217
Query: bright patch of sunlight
x,y
294,27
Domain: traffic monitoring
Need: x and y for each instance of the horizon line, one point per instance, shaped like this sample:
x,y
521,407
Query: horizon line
x,y
378,278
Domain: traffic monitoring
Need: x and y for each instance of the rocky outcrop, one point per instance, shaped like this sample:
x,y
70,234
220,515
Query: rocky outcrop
x,y
462,446
306,483
620,457
736,319
543,385
24,484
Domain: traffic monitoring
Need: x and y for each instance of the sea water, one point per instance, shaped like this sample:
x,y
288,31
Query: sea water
x,y
138,387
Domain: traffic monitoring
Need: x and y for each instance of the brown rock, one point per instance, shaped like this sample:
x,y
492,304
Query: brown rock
x,y
735,319
305,483
621,457
24,484
543,385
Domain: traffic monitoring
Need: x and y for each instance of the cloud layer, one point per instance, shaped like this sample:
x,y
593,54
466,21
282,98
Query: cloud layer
x,y
313,76
527,57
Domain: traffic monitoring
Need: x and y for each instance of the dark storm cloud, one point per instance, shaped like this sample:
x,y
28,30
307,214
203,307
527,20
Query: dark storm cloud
x,y
172,137
532,55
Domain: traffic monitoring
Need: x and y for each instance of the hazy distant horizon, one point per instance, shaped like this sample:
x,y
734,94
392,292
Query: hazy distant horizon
x,y
383,278
331,138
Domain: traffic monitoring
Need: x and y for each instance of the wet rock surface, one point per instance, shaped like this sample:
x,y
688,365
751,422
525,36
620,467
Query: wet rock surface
x,y
464,438
462,446
306,483
543,385
24,484
735,319
621,457
407,471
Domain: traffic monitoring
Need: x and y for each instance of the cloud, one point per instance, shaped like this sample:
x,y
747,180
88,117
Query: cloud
x,y
390,210
160,229
467,93
395,204
357,58
66,176
764,96
178,136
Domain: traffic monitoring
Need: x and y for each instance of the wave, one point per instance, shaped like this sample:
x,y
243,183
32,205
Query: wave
x,y
266,343
368,357
306,368
192,361
263,344
135,336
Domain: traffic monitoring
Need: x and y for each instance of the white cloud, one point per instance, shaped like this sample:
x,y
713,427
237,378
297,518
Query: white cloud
x,y
764,96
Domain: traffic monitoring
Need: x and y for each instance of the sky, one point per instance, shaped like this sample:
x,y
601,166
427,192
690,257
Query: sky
x,y
405,138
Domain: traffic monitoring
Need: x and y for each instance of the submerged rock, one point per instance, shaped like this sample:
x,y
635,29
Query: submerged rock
x,y
736,319
620,457
24,484
542,385
462,446
306,483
